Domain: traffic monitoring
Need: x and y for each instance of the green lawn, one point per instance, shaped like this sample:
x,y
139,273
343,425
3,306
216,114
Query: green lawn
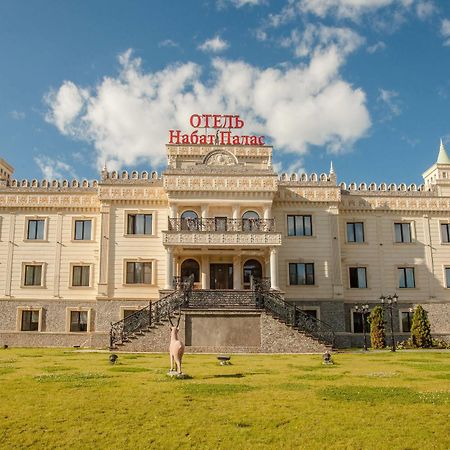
x,y
68,399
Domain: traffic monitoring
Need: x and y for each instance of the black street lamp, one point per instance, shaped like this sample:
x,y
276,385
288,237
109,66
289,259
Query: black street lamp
x,y
390,303
363,310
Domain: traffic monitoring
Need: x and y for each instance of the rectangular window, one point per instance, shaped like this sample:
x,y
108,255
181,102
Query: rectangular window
x,y
80,275
406,277
35,230
445,233
311,312
299,225
301,274
139,273
82,230
78,321
358,322
30,321
355,232
406,318
33,275
358,277
139,224
402,232
128,312
447,277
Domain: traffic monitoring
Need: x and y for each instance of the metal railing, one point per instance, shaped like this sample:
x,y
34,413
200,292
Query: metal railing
x,y
273,302
152,314
222,225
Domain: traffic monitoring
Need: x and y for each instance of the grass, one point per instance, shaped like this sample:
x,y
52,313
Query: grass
x,y
56,399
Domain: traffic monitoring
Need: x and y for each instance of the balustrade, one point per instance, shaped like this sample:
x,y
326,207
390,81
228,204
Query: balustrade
x,y
222,225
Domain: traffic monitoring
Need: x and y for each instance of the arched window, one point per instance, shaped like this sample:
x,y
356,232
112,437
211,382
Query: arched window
x,y
189,221
250,221
189,267
251,267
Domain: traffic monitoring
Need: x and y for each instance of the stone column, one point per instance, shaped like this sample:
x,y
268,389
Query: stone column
x,y
205,272
10,257
236,217
237,272
268,212
274,269
105,212
169,268
428,254
57,275
336,259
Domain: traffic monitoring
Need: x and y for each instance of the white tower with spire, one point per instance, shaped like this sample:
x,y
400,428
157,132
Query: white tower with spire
x,y
438,175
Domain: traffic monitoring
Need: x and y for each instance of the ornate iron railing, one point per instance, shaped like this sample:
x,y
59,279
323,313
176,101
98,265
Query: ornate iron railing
x,y
273,302
222,225
153,313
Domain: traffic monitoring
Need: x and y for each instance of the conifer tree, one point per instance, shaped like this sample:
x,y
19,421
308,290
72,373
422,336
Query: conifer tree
x,y
377,330
421,329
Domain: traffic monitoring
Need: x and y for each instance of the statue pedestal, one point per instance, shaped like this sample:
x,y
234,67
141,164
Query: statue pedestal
x,y
175,374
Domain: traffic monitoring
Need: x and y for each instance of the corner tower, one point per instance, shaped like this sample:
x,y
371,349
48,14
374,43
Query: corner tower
x,y
437,177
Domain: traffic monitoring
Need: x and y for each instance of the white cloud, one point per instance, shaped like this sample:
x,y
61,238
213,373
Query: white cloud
x,y
214,45
445,31
168,43
52,168
240,3
425,9
127,118
319,37
68,101
391,101
378,46
350,9
17,115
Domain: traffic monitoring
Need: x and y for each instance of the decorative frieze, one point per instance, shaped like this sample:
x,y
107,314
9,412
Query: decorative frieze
x,y
215,183
222,239
71,200
310,194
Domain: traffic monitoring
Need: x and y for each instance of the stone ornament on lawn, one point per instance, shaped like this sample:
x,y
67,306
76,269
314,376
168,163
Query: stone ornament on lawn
x,y
176,349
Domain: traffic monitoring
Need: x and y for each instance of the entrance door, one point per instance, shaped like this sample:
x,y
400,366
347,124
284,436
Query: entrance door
x,y
221,276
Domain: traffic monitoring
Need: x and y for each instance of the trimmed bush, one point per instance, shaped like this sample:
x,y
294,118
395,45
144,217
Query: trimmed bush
x,y
421,329
377,330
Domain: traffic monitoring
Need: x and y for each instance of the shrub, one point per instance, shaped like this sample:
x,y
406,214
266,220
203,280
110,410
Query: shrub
x,y
421,329
377,331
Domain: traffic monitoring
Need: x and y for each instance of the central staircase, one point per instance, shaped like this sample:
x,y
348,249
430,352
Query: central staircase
x,y
284,326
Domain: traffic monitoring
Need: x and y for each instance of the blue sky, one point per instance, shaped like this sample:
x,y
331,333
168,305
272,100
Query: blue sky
x,y
364,83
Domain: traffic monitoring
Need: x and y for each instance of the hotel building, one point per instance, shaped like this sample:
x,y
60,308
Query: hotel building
x,y
77,255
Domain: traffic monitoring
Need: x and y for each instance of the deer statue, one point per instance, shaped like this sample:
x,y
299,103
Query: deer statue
x,y
176,347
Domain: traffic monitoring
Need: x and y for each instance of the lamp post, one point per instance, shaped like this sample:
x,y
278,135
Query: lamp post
x,y
390,303
363,310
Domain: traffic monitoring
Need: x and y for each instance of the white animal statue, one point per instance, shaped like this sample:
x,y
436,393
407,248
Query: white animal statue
x,y
176,347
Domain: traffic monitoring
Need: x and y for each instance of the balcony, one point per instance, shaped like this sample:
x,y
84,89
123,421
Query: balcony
x,y
221,231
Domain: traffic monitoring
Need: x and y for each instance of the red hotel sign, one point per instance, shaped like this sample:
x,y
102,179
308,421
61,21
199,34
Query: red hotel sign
x,y
222,123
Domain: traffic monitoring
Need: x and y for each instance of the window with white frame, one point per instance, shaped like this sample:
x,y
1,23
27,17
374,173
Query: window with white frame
x,y
299,225
402,232
32,275
139,224
81,275
79,321
355,232
138,272
357,320
447,277
445,233
301,274
406,278
29,320
358,277
35,229
406,320
82,230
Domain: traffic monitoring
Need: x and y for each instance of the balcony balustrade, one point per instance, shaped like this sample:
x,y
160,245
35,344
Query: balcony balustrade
x,y
223,225
222,231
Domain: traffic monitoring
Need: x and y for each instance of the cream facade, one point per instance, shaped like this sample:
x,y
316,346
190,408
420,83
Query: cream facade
x,y
76,256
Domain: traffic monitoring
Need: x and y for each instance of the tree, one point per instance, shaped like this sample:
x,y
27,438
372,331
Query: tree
x,y
377,331
421,329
